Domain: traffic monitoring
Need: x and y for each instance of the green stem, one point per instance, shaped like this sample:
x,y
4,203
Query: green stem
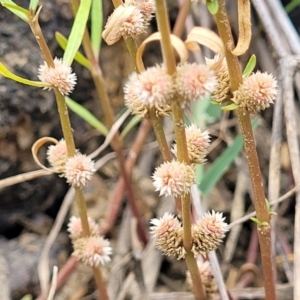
x,y
264,232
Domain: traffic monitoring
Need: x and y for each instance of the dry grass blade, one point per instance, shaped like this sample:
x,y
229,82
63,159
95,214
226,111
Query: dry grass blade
x,y
205,37
244,13
23,177
177,44
53,284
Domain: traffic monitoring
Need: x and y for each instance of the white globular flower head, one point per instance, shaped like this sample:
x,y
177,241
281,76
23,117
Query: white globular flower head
x,y
153,87
92,251
60,76
208,232
194,82
57,156
173,178
75,227
197,143
79,170
257,92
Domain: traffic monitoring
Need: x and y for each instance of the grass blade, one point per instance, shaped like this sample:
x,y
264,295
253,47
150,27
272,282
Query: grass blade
x,y
96,26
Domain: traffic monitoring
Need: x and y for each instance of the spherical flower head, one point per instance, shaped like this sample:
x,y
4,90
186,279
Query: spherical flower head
x,y
79,170
257,92
125,21
57,156
194,82
92,251
75,227
173,178
208,232
60,77
152,87
197,144
168,234
147,7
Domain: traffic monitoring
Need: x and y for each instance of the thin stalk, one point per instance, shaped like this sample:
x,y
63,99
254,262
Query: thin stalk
x,y
71,150
182,153
264,232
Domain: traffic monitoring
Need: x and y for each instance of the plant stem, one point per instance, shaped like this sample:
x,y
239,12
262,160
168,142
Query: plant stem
x,y
100,283
264,232
182,153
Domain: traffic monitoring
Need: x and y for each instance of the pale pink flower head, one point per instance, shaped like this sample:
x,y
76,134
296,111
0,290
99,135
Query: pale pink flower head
x,y
162,226
60,77
79,170
168,235
194,82
75,227
173,178
208,232
152,87
125,21
197,144
92,251
257,92
57,156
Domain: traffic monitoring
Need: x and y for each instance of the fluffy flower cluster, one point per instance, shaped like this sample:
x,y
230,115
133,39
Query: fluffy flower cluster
x,y
207,234
152,87
78,170
173,178
168,234
92,250
257,92
57,156
207,278
197,144
194,82
60,77
129,19
222,91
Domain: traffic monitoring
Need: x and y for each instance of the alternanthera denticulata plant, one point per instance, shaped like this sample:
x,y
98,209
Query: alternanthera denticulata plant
x,y
165,90
56,74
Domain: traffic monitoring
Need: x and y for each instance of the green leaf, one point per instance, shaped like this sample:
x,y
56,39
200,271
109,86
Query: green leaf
x,y
27,297
255,220
131,124
291,5
221,164
212,6
231,106
19,11
250,66
86,115
80,58
96,26
33,5
77,31
6,73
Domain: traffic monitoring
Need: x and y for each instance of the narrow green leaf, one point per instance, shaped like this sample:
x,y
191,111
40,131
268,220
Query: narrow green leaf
x,y
250,66
291,5
19,11
131,124
96,26
255,220
6,73
33,5
212,6
221,164
77,31
79,57
232,106
86,115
